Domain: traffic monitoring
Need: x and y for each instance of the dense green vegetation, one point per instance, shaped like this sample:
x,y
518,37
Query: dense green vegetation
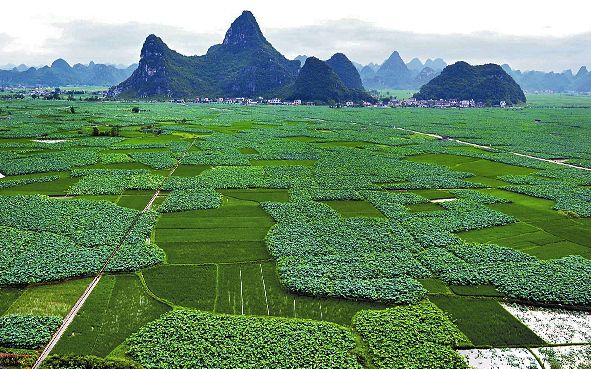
x,y
27,331
413,336
44,239
202,198
86,362
487,83
318,82
294,213
197,339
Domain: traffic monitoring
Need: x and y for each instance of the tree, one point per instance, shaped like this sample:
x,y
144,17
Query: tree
x,y
115,131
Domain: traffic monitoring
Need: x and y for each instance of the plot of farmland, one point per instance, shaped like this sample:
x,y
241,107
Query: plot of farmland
x,y
233,232
301,205
244,289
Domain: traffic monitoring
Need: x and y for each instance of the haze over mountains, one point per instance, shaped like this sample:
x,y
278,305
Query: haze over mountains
x,y
60,73
556,82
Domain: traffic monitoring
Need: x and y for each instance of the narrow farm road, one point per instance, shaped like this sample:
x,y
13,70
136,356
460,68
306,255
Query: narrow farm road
x,y
488,147
72,314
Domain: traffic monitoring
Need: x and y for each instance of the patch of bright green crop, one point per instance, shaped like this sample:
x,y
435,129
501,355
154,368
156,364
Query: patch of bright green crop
x,y
191,286
349,209
49,299
118,307
412,336
230,233
435,286
482,290
193,338
485,322
7,296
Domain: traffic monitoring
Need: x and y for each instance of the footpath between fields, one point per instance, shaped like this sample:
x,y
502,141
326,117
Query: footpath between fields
x,y
72,314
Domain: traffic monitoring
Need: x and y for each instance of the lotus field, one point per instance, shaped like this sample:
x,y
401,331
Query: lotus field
x,y
295,237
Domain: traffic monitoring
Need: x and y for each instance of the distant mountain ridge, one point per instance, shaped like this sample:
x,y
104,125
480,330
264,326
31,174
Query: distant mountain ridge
x,y
565,81
556,82
487,83
60,73
393,73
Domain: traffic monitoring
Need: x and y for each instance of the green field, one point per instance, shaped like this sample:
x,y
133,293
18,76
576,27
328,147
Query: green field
x,y
9,295
233,232
118,307
541,232
486,323
349,209
323,214
49,299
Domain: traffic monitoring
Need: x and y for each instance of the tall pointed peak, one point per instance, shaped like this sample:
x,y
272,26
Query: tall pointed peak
x,y
394,61
345,70
244,32
153,46
339,58
582,71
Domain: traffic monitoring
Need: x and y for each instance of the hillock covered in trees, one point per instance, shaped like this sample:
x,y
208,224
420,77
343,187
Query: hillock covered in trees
x,y
488,83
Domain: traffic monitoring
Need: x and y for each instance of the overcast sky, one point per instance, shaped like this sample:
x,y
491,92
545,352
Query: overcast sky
x,y
525,34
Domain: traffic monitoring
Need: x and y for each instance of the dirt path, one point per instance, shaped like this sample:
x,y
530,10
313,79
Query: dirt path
x,y
559,162
72,314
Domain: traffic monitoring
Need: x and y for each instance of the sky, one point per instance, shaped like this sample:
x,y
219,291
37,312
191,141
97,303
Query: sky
x,y
527,35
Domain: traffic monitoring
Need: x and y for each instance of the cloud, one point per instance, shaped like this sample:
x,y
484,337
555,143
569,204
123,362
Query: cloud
x,y
363,42
5,40
82,41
